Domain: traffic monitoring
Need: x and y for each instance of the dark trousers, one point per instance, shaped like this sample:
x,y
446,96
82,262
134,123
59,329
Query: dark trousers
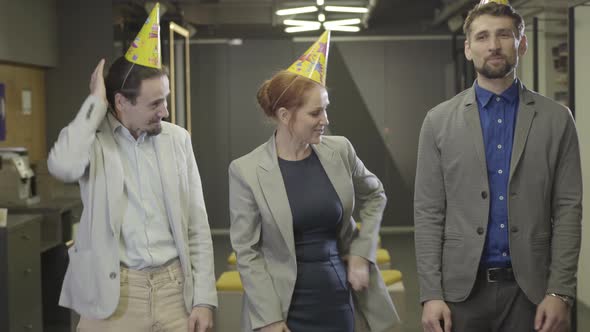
x,y
493,307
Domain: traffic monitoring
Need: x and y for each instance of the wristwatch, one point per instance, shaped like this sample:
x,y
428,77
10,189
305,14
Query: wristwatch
x,y
569,301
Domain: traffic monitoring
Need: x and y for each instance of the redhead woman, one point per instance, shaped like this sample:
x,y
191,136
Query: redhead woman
x,y
303,264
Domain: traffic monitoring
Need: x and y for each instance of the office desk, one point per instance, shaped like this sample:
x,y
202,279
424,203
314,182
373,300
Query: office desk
x,y
20,274
57,217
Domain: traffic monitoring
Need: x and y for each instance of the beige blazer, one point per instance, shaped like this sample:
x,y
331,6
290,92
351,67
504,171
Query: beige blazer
x,y
86,152
452,198
262,231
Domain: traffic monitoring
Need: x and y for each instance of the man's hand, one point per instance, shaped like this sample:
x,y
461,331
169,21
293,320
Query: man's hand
x,y
276,327
97,87
200,319
433,313
553,315
358,272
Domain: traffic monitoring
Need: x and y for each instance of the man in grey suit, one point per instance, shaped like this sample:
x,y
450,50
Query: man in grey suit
x,y
497,195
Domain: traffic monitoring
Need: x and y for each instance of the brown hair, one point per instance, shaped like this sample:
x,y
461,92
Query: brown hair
x,y
125,78
284,89
494,9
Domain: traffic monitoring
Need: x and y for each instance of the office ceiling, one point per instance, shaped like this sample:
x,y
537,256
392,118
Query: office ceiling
x,y
256,19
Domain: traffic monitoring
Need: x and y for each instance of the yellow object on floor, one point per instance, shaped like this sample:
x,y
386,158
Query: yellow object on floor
x,y
229,281
390,277
383,259
232,259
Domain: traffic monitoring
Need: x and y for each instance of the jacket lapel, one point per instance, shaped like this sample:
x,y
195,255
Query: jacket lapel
x,y
338,175
474,128
113,174
165,149
524,119
273,188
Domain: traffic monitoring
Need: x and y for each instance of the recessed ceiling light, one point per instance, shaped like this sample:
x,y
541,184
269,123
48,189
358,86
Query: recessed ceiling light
x,y
301,28
346,28
342,9
343,22
296,10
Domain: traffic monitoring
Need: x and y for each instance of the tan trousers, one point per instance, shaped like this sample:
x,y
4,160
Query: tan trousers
x,y
150,302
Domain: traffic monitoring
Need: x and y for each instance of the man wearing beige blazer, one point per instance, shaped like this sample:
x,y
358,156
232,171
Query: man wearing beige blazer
x,y
143,255
497,195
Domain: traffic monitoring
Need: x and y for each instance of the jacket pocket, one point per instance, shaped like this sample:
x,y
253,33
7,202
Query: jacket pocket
x,y
80,276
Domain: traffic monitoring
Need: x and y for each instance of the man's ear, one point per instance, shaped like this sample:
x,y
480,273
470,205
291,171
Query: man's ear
x,y
121,102
468,50
523,46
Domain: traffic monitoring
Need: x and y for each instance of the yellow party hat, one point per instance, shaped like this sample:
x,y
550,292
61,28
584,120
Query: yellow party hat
x,y
145,49
501,2
313,64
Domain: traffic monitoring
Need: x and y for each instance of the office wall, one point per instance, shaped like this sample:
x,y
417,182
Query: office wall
x,y
24,130
582,107
380,91
28,32
85,34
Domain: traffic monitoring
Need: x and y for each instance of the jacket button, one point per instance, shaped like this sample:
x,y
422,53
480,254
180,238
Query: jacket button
x,y
113,275
484,194
514,229
480,230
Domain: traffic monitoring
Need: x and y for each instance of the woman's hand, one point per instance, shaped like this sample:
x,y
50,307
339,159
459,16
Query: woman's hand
x,y
358,272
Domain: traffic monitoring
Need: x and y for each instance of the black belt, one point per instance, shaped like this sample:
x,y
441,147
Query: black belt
x,y
496,274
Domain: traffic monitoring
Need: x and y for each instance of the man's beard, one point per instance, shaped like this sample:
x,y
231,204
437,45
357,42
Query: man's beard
x,y
154,131
494,73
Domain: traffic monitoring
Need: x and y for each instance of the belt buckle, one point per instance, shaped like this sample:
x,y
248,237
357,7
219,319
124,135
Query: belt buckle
x,y
488,273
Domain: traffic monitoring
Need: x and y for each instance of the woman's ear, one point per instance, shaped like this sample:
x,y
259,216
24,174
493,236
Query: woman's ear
x,y
283,115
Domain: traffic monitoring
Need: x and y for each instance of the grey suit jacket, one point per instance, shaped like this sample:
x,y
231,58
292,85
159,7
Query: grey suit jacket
x,y
451,201
86,152
262,231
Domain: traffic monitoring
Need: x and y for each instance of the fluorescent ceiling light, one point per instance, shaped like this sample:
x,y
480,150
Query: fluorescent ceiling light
x,y
320,2
297,10
302,28
346,28
342,9
301,23
321,17
343,22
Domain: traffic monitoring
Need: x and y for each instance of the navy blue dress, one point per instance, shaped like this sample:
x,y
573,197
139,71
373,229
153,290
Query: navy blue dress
x,y
321,300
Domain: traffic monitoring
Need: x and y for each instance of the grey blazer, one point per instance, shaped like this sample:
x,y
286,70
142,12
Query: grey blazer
x,y
451,201
262,231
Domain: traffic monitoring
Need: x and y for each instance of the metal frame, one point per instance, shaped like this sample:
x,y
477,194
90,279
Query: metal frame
x,y
571,61
175,28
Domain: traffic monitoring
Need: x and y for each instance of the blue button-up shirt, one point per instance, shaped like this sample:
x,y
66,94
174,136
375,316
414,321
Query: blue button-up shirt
x,y
497,115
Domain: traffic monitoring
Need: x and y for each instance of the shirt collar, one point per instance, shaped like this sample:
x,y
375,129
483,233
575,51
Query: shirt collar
x,y
115,124
484,96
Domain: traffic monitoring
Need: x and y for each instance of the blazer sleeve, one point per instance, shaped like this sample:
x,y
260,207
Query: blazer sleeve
x,y
370,202
199,236
264,306
429,214
70,155
566,206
